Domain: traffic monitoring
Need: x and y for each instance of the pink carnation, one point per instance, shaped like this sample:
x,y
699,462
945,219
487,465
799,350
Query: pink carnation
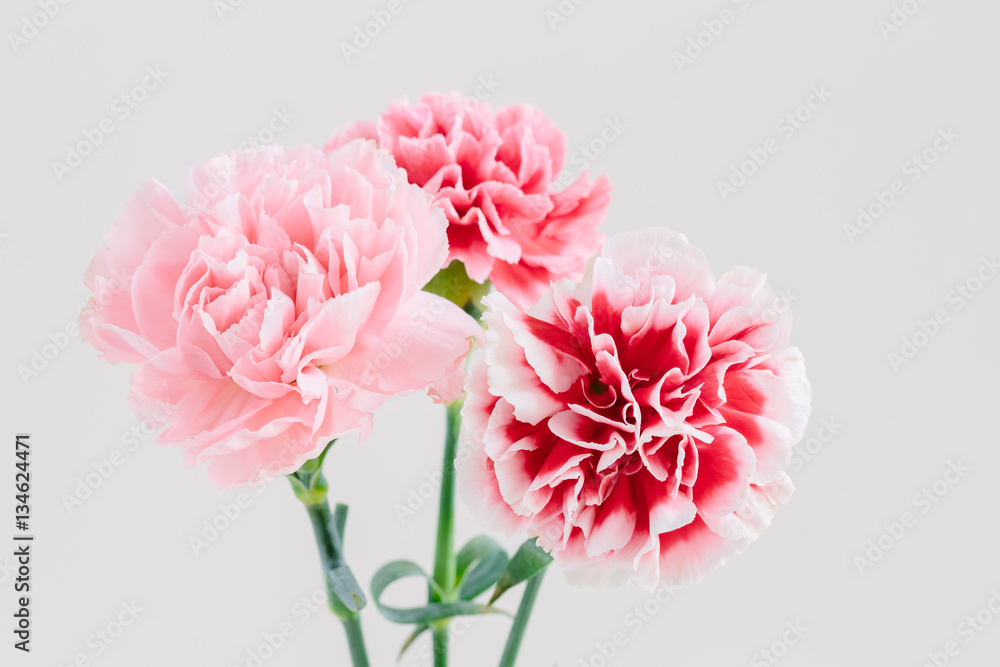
x,y
642,423
493,175
282,309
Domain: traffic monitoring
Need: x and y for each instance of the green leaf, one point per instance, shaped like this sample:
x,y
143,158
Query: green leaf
x,y
340,521
454,284
526,563
419,630
427,613
479,565
345,588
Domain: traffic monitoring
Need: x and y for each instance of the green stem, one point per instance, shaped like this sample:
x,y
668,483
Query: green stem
x,y
441,638
356,640
444,552
521,620
331,555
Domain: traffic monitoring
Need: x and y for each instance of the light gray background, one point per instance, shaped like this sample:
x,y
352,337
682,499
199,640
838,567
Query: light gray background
x,y
896,431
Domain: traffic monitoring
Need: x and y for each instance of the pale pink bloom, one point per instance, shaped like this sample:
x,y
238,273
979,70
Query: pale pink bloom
x,y
641,423
493,175
282,309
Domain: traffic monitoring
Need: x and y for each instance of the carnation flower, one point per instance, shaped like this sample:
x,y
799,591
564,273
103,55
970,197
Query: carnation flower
x,y
280,309
641,423
493,176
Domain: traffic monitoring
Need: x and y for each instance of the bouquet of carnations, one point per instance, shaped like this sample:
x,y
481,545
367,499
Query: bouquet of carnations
x,y
613,401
